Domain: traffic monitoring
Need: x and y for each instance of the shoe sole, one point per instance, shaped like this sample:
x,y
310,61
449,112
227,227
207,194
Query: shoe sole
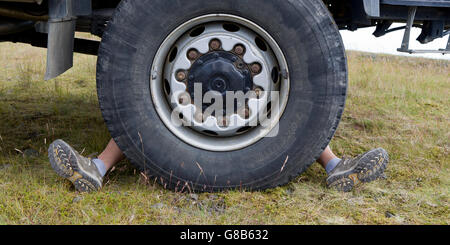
x,y
365,172
63,161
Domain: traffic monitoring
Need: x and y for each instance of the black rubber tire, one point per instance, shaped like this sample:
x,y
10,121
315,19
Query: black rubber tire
x,y
316,57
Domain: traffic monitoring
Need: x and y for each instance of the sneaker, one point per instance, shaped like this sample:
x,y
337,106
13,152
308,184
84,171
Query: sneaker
x,y
79,170
364,168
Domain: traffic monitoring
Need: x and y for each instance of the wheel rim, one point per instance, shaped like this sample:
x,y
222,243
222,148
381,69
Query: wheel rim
x,y
222,53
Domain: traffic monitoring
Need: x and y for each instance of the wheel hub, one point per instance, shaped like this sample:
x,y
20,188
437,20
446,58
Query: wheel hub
x,y
221,72
224,62
222,53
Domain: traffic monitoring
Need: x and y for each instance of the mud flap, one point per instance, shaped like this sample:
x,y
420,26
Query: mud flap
x,y
372,8
61,33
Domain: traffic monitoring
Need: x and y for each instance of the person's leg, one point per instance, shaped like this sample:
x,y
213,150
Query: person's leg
x,y
345,174
110,156
328,160
86,174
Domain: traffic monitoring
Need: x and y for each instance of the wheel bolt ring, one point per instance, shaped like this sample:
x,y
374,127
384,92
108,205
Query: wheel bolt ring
x,y
236,44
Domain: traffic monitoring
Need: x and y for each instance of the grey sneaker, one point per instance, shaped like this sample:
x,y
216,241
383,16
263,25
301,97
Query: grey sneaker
x,y
79,170
364,168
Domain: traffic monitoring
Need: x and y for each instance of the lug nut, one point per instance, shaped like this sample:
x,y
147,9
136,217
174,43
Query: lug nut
x,y
181,75
192,54
222,121
184,99
225,122
259,91
256,68
239,49
244,113
198,116
215,44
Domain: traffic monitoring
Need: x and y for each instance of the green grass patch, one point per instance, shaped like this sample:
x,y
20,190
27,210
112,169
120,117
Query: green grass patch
x,y
401,104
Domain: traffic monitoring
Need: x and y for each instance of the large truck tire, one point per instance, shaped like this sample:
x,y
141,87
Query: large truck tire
x,y
300,55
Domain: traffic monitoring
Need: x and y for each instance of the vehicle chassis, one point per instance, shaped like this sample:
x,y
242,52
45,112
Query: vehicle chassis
x,y
53,23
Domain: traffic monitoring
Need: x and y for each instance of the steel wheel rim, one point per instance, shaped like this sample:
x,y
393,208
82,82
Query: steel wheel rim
x,y
167,103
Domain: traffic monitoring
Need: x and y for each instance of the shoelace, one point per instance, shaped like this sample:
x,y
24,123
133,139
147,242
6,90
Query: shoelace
x,y
345,161
90,157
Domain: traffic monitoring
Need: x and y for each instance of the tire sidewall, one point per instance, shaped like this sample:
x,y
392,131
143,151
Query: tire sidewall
x,y
318,76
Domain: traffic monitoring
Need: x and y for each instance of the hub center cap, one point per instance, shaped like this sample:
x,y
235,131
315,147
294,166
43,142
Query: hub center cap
x,y
219,71
219,85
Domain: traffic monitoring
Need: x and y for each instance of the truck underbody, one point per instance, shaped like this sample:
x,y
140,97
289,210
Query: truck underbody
x,y
51,24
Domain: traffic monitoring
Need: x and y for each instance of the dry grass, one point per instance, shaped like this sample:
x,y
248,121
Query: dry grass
x,y
397,103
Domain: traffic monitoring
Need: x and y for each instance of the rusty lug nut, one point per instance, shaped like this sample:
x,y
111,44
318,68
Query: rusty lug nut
x,y
244,113
239,49
198,116
256,68
215,44
184,99
222,121
181,75
192,54
259,91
